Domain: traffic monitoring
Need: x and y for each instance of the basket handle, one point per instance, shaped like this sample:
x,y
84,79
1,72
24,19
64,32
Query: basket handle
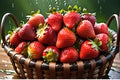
x,y
5,16
117,18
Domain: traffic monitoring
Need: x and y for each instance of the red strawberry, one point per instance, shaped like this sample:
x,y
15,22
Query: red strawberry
x,y
36,19
27,32
35,50
69,54
15,39
101,28
89,17
46,35
55,20
65,38
22,48
85,29
102,37
51,54
89,50
71,19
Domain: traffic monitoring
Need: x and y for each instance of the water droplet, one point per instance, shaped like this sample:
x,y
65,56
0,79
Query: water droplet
x,y
13,5
22,14
36,2
65,2
100,9
56,2
57,7
50,5
98,2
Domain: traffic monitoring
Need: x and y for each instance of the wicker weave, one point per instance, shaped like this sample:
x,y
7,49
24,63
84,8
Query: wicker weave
x,y
95,68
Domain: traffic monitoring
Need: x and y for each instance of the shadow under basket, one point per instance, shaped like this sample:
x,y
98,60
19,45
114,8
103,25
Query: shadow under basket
x,y
94,68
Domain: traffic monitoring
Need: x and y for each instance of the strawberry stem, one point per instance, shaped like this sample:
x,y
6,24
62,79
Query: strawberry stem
x,y
52,10
95,44
70,8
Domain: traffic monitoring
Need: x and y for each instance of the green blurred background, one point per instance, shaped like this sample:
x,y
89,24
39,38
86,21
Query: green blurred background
x,y
20,8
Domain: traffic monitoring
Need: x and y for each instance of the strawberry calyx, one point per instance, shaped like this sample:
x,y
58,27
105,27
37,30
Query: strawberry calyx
x,y
41,29
75,8
30,55
50,56
24,52
52,10
85,11
33,13
95,44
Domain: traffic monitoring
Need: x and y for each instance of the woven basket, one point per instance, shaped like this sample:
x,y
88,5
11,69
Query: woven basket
x,y
94,68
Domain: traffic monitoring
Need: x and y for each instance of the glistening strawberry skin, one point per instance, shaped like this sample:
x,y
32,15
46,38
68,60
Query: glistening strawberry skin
x,y
55,20
101,28
27,32
105,41
46,35
22,49
89,17
71,18
35,20
65,38
88,50
15,39
35,50
69,54
85,29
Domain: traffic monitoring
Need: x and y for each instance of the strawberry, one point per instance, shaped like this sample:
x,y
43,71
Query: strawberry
x,y
55,20
89,17
65,38
72,17
105,41
46,35
35,50
51,54
15,39
27,32
69,54
85,29
89,50
36,19
22,48
101,28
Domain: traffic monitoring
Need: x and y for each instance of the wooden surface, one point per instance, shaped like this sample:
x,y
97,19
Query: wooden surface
x,y
5,64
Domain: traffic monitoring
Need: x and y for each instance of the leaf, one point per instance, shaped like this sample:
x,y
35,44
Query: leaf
x,y
99,43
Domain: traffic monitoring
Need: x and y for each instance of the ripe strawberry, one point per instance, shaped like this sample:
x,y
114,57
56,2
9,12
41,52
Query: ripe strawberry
x,y
89,17
55,20
51,54
36,19
46,35
89,50
85,29
69,54
14,38
105,41
35,50
101,28
65,38
22,48
27,32
71,19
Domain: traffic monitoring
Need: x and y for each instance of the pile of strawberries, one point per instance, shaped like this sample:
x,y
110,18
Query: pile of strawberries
x,y
64,37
